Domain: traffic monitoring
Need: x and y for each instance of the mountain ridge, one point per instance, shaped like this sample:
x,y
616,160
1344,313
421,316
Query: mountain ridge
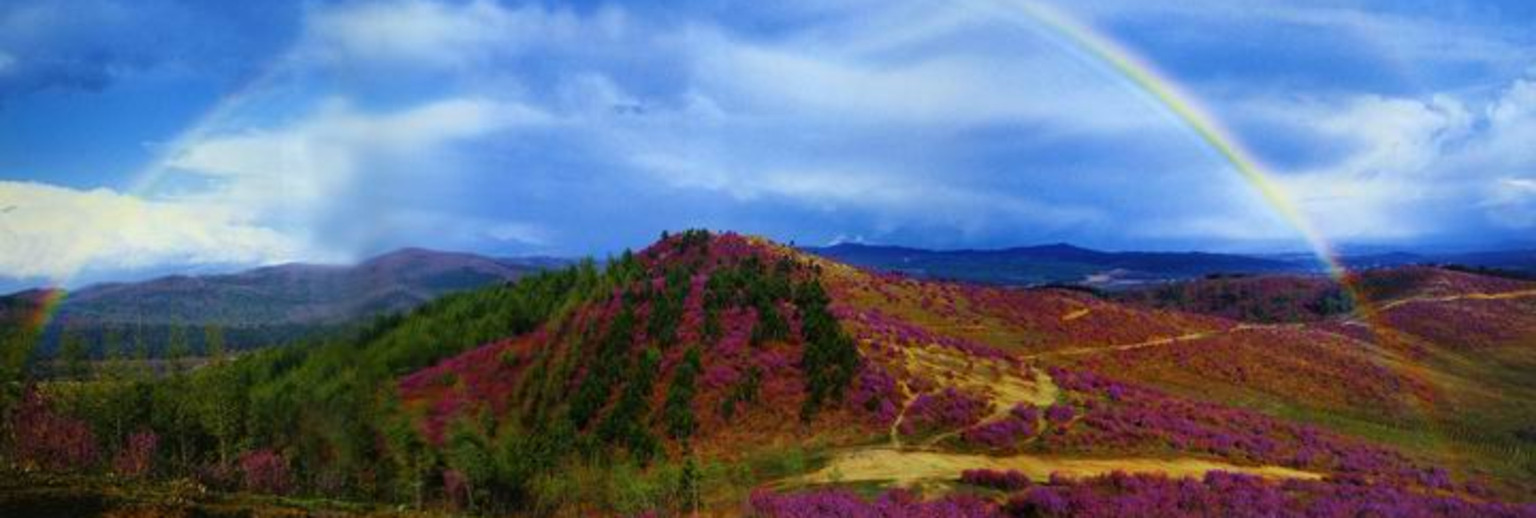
x,y
276,303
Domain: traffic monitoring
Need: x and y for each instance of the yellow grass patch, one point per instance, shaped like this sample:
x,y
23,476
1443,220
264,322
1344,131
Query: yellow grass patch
x,y
907,468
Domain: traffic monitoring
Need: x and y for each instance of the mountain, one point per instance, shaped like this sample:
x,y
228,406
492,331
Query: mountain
x,y
725,373
276,303
1048,264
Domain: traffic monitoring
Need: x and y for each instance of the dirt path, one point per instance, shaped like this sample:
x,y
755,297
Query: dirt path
x,y
1464,296
911,467
1003,384
1154,342
1080,313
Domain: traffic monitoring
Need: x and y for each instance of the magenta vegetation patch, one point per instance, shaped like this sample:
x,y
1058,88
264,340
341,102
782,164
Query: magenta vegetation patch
x,y
1218,494
947,409
1124,417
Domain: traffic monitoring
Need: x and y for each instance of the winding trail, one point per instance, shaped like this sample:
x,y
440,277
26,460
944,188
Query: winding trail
x,y
1462,296
1153,342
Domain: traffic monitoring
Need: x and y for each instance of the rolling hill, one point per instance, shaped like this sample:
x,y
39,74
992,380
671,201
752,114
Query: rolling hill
x,y
718,348
278,303
733,375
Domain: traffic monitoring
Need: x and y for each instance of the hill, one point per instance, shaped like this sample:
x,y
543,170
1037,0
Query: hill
x,y
277,303
731,374
949,378
1047,264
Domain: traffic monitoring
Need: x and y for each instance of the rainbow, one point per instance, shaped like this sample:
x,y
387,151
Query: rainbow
x,y
47,307
146,179
1147,79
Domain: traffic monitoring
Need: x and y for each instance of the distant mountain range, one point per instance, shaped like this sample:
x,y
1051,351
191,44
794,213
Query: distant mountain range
x,y
1057,263
275,303
279,303
1065,263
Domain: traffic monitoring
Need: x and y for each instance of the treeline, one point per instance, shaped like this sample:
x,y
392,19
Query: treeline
x,y
103,341
1264,299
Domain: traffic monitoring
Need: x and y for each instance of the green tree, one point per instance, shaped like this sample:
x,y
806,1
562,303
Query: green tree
x,y
468,454
678,409
410,456
74,354
220,405
177,349
213,343
141,352
830,358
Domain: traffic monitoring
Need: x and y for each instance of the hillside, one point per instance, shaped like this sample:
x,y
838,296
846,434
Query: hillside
x,y
735,375
951,378
1047,264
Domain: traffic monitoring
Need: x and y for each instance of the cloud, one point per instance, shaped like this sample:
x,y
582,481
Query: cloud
x,y
945,73
55,232
1511,202
712,112
89,45
1433,166
341,172
439,35
486,126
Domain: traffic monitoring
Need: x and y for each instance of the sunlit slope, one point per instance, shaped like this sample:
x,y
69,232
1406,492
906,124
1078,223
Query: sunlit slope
x,y
1444,374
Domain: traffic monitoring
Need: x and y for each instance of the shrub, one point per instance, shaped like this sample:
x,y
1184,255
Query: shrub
x,y
137,457
264,471
1010,480
50,440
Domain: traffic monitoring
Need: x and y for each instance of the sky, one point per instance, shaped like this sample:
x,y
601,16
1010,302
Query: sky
x,y
148,136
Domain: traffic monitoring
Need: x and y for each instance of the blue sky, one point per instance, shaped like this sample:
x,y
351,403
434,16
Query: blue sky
x,y
156,135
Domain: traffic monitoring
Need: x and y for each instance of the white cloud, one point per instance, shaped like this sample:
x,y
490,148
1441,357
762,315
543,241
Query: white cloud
x,y
293,172
55,232
948,76
518,232
1415,166
439,34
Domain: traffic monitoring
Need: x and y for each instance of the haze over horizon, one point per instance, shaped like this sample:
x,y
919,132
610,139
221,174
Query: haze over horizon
x,y
160,136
